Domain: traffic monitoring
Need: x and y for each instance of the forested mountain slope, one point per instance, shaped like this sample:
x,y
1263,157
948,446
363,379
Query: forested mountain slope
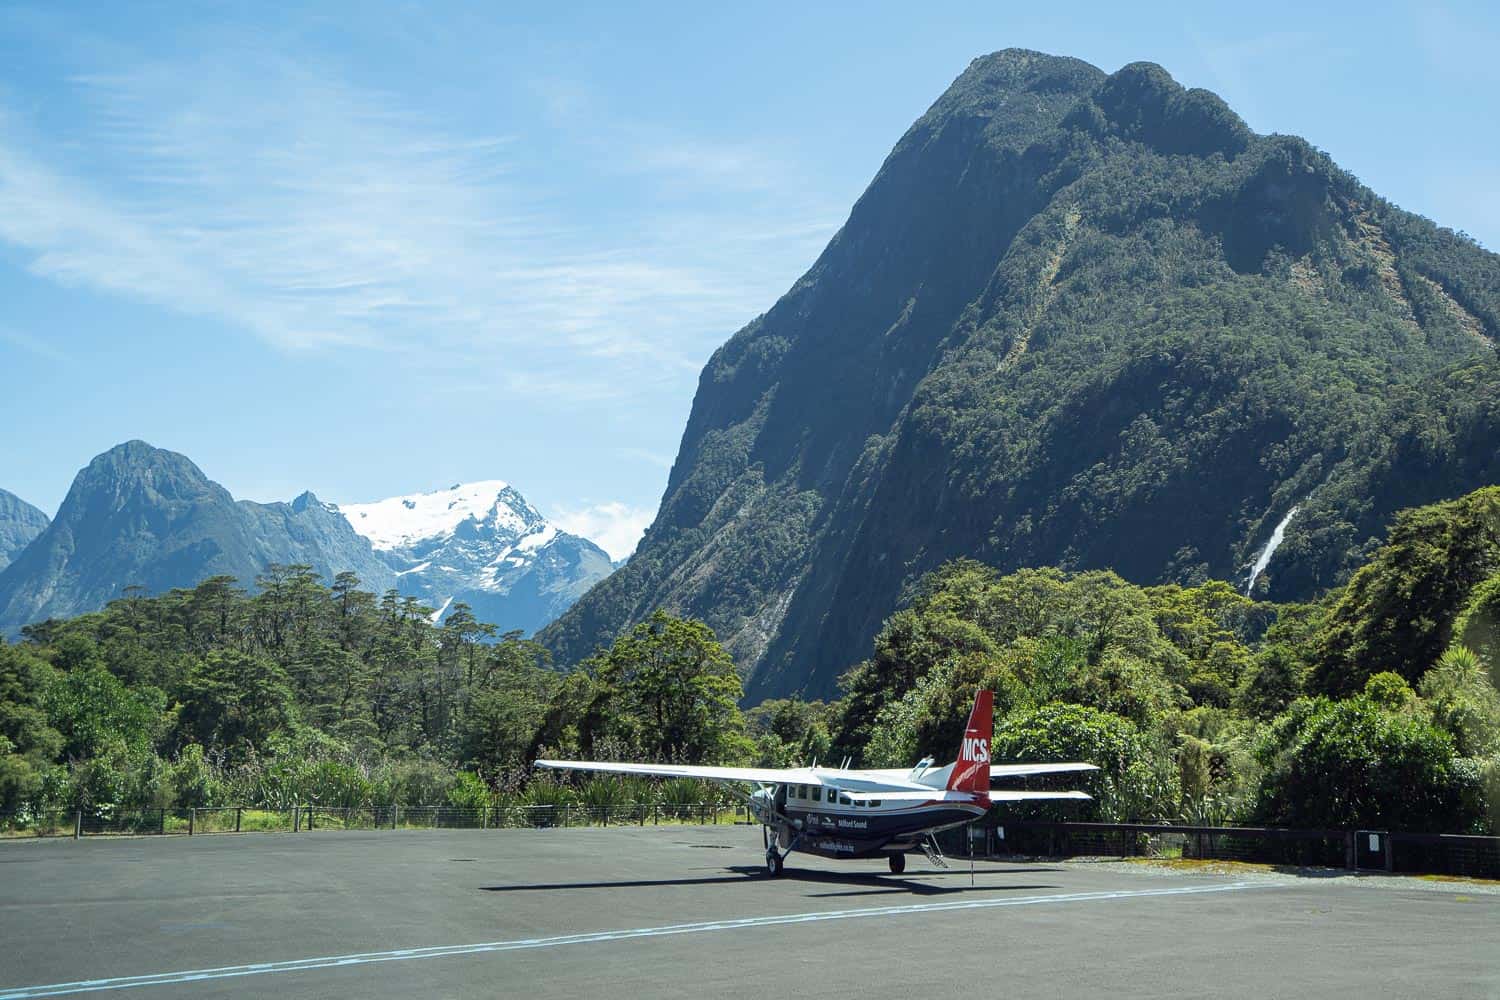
x,y
19,524
1082,320
142,516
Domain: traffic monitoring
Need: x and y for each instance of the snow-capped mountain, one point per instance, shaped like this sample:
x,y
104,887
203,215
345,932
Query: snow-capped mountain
x,y
483,544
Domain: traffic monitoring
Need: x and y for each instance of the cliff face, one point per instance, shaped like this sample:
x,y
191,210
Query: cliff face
x,y
1078,319
20,523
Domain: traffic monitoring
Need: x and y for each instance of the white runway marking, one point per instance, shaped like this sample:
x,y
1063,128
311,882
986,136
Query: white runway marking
x,y
445,951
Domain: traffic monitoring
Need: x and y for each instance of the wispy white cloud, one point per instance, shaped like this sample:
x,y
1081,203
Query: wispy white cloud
x,y
248,187
645,455
613,526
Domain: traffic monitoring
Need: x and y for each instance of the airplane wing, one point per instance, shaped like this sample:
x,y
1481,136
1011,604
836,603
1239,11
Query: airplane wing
x,y
1003,795
756,775
939,795
1026,770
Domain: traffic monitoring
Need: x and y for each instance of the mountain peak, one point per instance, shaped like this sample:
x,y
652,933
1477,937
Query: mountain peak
x,y
136,452
135,473
1017,90
307,500
402,521
484,544
1141,101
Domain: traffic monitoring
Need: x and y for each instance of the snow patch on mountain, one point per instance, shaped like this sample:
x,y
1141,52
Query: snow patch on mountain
x,y
398,522
483,544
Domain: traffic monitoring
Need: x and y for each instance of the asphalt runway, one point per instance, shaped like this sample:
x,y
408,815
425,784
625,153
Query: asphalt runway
x,y
684,912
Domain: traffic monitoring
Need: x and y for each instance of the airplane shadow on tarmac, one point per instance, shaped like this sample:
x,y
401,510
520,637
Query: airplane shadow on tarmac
x,y
867,883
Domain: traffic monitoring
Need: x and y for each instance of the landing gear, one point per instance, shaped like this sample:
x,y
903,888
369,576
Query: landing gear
x,y
773,862
898,863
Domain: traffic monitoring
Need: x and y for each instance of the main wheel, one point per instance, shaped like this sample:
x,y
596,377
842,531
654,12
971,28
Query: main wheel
x,y
773,863
898,864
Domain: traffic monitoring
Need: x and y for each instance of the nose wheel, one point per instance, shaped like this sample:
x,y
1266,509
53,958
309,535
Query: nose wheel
x,y
774,862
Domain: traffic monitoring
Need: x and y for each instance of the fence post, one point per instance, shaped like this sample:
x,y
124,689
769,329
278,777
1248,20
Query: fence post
x,y
77,824
1390,853
192,819
237,810
161,821
484,817
395,815
641,807
296,818
1349,849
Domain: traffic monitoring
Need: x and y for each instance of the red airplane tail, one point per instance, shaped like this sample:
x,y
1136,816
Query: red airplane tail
x,y
971,772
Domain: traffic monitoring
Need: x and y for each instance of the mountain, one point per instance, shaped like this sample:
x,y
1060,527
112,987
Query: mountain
x,y
483,544
19,524
141,516
1078,319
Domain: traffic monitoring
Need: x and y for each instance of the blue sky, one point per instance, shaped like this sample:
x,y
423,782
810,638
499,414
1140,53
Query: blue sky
x,y
373,249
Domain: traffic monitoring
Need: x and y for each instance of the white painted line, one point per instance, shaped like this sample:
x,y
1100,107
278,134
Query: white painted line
x,y
445,951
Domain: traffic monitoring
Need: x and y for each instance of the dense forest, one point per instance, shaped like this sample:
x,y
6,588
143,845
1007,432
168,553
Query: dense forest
x,y
1375,706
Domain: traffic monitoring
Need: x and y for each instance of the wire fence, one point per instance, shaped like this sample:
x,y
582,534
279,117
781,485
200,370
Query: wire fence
x,y
1359,850
302,818
1368,850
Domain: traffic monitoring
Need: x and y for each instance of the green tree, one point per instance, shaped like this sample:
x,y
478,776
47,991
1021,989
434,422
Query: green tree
x,y
1398,612
1133,784
1478,625
674,690
235,701
1464,703
1352,764
28,742
90,707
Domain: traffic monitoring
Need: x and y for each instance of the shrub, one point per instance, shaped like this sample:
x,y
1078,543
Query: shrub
x,y
1133,783
1464,702
1356,763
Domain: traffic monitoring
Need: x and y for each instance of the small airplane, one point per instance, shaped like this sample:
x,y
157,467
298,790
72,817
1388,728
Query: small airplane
x,y
847,814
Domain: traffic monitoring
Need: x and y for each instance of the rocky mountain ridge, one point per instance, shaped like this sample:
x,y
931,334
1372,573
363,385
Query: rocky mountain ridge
x,y
484,544
140,516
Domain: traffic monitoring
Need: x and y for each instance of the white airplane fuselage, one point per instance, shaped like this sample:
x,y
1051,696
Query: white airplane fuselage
x,y
818,815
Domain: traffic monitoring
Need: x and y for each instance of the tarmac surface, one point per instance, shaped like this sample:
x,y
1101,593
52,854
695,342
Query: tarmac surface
x,y
685,912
